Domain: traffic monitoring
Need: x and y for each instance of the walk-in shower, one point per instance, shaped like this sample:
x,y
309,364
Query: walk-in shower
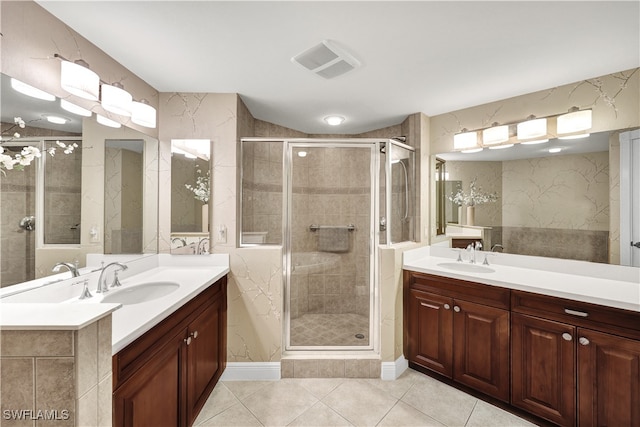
x,y
336,202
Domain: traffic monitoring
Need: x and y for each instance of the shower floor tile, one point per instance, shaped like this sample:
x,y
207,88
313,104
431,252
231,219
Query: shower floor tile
x,y
330,330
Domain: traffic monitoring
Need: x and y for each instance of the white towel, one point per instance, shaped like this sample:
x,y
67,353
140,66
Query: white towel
x,y
333,239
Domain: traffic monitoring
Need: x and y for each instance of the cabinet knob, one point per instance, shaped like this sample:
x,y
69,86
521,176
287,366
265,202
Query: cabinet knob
x,y
456,309
188,340
194,335
583,341
447,306
567,337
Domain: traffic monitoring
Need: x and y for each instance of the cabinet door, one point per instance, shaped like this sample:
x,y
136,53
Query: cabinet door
x,y
203,358
543,368
431,331
608,380
481,348
151,396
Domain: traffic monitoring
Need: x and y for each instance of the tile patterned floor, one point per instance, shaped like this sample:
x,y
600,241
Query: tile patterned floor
x,y
329,330
413,399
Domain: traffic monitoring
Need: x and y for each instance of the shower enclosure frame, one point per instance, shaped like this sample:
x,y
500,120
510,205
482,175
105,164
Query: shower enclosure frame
x,y
377,149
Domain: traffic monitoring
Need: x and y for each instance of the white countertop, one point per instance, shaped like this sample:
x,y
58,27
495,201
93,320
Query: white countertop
x,y
603,284
56,305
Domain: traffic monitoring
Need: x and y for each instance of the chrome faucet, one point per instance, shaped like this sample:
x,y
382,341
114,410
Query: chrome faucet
x,y
473,247
73,268
180,240
102,283
497,245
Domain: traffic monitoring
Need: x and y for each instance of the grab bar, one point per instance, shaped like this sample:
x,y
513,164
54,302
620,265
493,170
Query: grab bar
x,y
316,227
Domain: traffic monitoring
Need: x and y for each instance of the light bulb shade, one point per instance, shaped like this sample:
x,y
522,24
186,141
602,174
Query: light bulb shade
x,y
116,100
107,122
575,121
79,81
31,91
534,128
465,140
75,109
495,135
143,114
334,120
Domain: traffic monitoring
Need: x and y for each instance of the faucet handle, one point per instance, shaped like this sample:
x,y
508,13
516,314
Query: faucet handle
x,y
486,257
116,281
85,290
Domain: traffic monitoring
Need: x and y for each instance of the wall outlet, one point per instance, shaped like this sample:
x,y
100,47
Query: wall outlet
x,y
221,234
94,234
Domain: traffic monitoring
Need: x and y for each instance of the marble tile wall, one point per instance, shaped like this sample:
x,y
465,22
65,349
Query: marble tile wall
x,y
65,373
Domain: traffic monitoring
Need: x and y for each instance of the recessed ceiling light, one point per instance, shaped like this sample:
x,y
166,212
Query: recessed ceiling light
x,y
29,90
334,120
555,150
57,120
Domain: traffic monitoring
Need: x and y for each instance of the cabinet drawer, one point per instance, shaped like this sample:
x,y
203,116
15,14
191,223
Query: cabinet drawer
x,y
493,296
593,316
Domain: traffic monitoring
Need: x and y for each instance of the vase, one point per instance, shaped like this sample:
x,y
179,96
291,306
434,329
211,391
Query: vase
x,y
471,215
459,215
205,218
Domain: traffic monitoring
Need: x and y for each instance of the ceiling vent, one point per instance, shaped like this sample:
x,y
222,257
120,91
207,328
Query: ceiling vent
x,y
326,60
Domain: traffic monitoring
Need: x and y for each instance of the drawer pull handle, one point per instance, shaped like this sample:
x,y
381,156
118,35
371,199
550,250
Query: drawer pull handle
x,y
567,337
424,304
447,306
583,341
194,335
576,313
187,340
456,309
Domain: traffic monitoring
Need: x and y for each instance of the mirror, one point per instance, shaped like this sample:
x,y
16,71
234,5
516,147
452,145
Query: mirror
x,y
64,192
123,196
552,205
190,193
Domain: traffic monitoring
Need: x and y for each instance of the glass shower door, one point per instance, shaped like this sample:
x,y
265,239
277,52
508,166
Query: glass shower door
x,y
330,239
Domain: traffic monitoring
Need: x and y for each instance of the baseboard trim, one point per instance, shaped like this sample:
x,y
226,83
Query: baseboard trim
x,y
251,371
390,371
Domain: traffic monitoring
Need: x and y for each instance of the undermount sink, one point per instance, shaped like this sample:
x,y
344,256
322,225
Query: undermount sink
x,y
469,268
141,293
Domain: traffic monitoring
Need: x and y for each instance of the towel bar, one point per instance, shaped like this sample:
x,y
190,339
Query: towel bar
x,y
316,227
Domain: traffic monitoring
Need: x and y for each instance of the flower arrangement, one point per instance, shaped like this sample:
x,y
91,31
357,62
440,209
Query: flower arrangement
x,y
29,153
201,190
475,197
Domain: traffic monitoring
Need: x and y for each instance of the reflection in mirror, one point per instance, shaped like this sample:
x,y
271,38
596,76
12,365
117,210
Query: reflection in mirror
x,y
62,193
52,191
552,205
123,196
190,193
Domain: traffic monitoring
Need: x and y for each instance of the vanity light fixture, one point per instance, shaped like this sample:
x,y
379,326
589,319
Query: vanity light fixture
x,y
574,124
334,120
465,140
31,91
77,79
537,141
472,150
143,114
496,134
500,147
73,108
107,122
116,100
532,128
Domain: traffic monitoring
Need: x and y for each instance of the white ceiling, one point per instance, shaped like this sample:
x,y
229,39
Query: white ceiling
x,y
417,56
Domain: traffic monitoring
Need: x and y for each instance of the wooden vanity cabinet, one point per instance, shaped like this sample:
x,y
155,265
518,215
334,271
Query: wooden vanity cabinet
x,y
575,363
165,376
460,330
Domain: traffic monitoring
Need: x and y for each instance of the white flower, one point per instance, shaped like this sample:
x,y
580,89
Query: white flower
x,y
60,144
6,161
475,196
16,135
201,190
19,122
51,151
